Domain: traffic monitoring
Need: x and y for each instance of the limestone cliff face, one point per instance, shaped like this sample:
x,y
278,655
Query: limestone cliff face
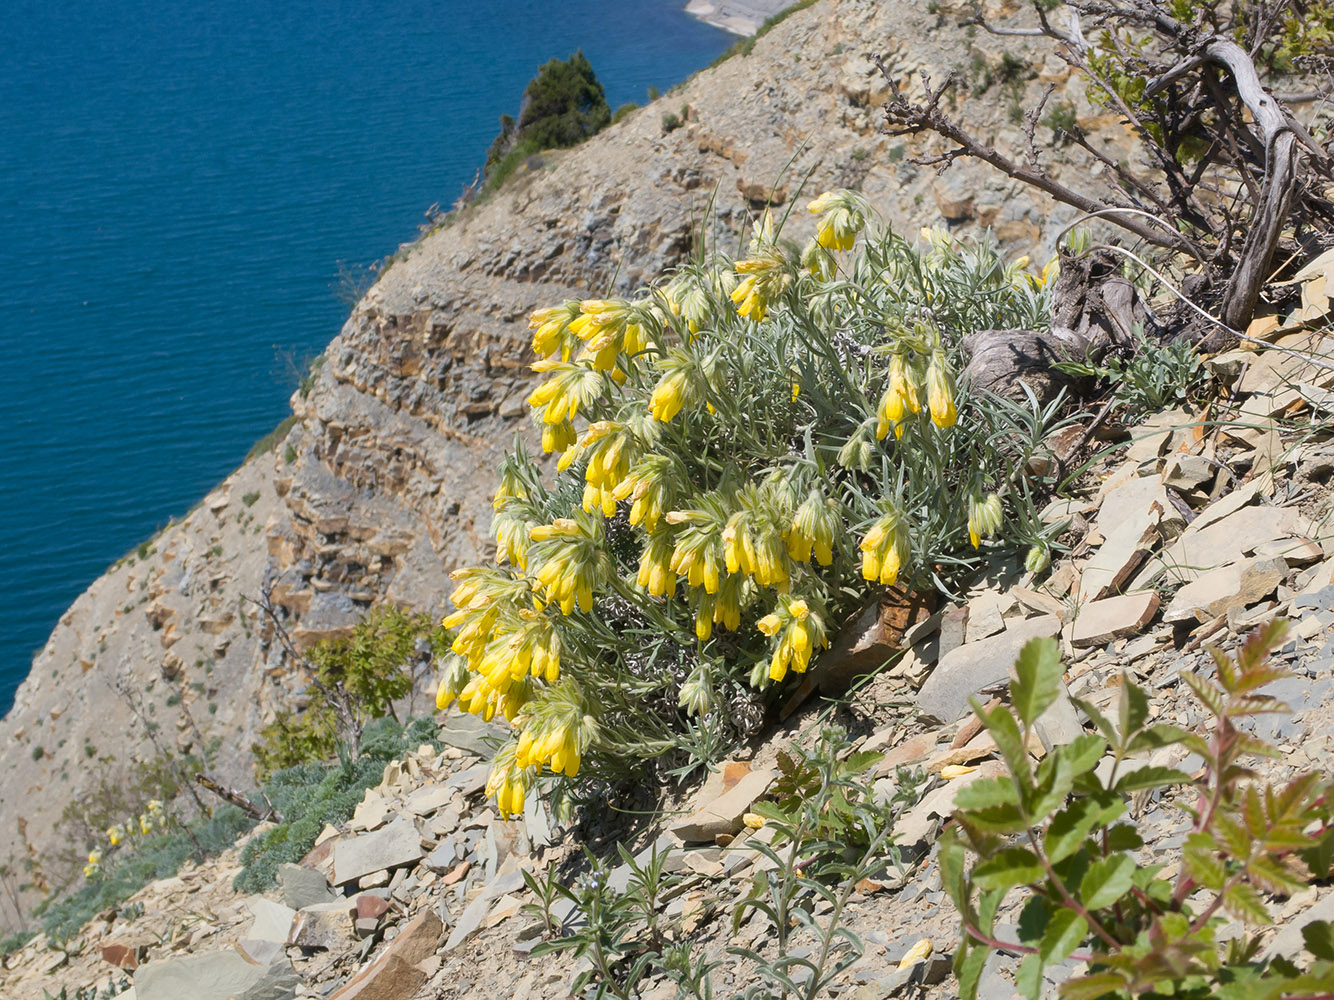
x,y
382,488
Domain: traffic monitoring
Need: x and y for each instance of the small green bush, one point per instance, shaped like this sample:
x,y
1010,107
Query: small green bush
x,y
1058,834
249,498
624,111
354,680
310,795
270,440
38,752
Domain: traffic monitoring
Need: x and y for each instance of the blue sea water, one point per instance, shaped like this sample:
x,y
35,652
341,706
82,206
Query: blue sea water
x,y
182,185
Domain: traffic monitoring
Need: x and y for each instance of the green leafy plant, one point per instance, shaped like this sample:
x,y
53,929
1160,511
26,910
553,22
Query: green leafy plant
x,y
1059,834
353,680
1153,376
829,831
310,795
657,595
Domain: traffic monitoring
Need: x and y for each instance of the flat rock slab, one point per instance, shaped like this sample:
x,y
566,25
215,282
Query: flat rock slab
x,y
218,975
1221,542
391,847
1100,622
396,973
1238,585
428,800
723,814
324,926
304,886
970,668
272,921
469,733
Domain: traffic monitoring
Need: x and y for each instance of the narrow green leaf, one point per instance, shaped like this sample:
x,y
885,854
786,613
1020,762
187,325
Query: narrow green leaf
x,y
1008,868
1037,678
1134,708
1106,881
1100,721
1064,933
1005,731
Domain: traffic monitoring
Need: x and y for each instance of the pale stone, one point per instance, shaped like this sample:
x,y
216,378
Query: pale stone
x,y
304,887
394,845
219,975
1239,584
396,973
1099,622
970,668
723,814
325,926
272,920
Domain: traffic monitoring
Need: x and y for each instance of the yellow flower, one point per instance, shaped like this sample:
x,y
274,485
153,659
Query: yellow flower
x,y
722,608
818,262
609,329
510,530
802,631
649,487
951,771
984,517
669,395
764,279
571,385
610,447
534,650
687,295
696,696
115,835
94,863
900,398
940,391
885,549
843,216
655,564
814,526
697,555
572,561
551,330
556,730
508,782
558,436
1037,559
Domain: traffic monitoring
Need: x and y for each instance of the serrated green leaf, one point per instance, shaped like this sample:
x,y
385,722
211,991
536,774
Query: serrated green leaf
x,y
1092,987
1033,920
1150,777
1005,731
1082,754
1008,868
1037,678
1072,825
986,792
1160,735
1319,938
1065,931
1200,856
1100,721
1106,881
1028,977
1243,902
1133,709
998,819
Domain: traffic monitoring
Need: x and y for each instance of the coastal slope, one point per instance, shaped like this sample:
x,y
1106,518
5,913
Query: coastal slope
x,y
382,485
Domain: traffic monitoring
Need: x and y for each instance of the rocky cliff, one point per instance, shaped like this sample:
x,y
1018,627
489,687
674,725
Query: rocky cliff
x,y
382,486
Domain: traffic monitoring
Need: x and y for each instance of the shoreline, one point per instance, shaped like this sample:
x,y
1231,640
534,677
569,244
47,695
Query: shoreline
x,y
740,17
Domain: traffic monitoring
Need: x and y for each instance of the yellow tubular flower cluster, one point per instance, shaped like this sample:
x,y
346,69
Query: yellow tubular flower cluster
x,y
814,527
534,650
573,563
900,398
843,216
802,631
508,783
722,608
558,437
551,330
984,517
764,279
940,391
511,533
697,556
753,544
609,328
885,549
571,385
655,564
647,485
688,296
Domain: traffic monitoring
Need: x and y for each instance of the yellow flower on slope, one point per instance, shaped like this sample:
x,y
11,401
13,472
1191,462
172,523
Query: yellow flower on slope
x,y
900,398
94,863
551,330
572,561
115,835
885,549
940,391
814,527
534,649
799,631
648,485
687,295
765,278
609,329
722,608
510,530
508,783
558,436
843,216
557,730
655,564
984,517
570,387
